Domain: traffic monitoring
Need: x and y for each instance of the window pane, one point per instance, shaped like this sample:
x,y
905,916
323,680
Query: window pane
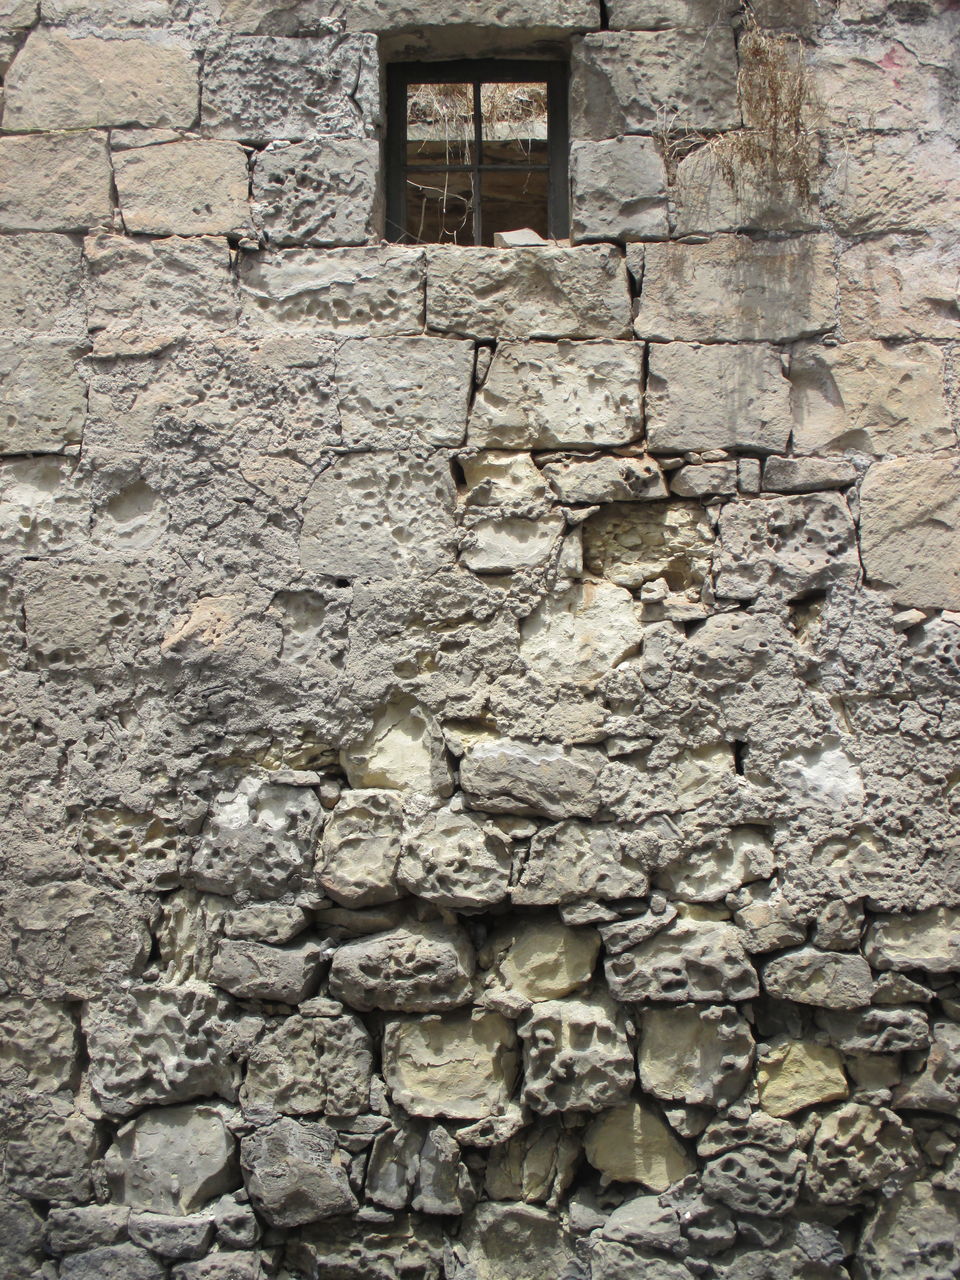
x,y
440,124
440,208
513,199
514,123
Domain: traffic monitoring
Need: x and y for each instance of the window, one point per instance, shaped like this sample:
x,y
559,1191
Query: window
x,y
474,148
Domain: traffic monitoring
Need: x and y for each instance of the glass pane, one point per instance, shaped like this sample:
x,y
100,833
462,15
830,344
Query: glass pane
x,y
513,199
440,208
440,124
514,123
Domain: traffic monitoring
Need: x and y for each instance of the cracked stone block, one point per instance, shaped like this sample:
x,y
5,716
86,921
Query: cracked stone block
x,y
634,543
755,1180
937,1086
61,81
510,776
700,960
421,969
41,288
295,1173
616,479
559,395
717,397
618,190
509,544
546,960
254,971
362,842
403,749
574,860
50,1154
259,88
184,189
173,1159
858,1150
460,1066
540,292
877,83
456,861
157,1044
324,192
576,1056
794,1074
626,82
900,286
54,182
910,530
830,979
632,1144
695,1054
734,289
927,940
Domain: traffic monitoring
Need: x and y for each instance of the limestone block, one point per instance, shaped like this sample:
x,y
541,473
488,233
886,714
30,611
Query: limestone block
x,y
42,397
113,1262
910,530
402,392
857,1150
717,190
144,295
699,1055
716,397
257,840
807,475
460,1066
499,478
755,1180
54,182
546,960
50,1150
39,1045
699,960
893,182
733,289
626,82
632,1144
74,1228
875,82
16,14
714,479
319,1062
709,874
869,397
155,1044
171,1236
788,546
610,479
576,1056
900,286
632,543
618,190
107,13
830,979
173,1159
394,15
295,1174
556,395
41,507
265,922
379,516
350,291
534,1165
318,193
402,749
574,860
183,189
508,544
40,287
794,1074
357,857
540,292
421,968
455,861
254,971
581,633
937,1086
514,1242
509,776
927,940
653,15
913,1233
259,88
876,1030
59,81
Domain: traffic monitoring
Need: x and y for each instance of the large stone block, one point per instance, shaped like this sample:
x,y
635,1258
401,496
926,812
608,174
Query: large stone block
x,y
910,530
416,969
892,182
351,291
43,399
362,841
460,1066
40,287
300,17
107,13
538,292
456,861
618,190
694,1054
184,189
875,82
653,15
869,397
733,289
325,192
54,182
173,1159
59,81
901,287
632,1144
541,395
508,776
259,88
576,860
698,960
295,1173
717,397
718,188
629,82
582,633
927,940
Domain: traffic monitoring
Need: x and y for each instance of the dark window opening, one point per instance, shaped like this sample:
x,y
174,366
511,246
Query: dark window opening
x,y
474,148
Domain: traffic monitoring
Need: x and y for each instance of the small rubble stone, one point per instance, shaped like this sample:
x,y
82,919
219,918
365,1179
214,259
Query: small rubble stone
x,y
455,861
632,1144
573,861
914,1233
857,1150
254,971
796,1073
695,1054
171,1236
295,1173
548,960
806,475
617,479
830,979
411,970
689,960
357,857
575,1056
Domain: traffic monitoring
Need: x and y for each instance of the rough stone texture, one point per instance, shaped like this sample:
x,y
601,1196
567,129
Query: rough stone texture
x,y
632,1144
458,1066
295,1173
796,1074
900,287
183,188
618,190
694,1054
54,182
575,1057
173,1159
409,970
688,960
317,193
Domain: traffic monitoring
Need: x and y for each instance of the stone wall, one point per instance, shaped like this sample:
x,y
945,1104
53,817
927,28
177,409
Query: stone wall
x,y
481,785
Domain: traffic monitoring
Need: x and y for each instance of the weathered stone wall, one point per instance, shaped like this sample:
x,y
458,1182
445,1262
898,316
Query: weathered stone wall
x,y
480,725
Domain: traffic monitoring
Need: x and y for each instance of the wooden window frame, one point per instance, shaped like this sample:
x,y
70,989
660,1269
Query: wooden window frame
x,y
478,71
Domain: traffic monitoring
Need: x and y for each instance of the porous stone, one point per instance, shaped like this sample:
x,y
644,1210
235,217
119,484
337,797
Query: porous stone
x,y
509,776
295,1174
113,1262
76,1228
618,190
707,875
653,15
61,81
857,1150
514,1242
43,402
548,960
402,749
410,970
914,1233
734,289
900,286
910,530
455,861
170,1236
638,542
357,857
694,1054
184,189
173,1159
794,1074
632,1144
617,479
40,287
462,1066
54,182
717,397
255,971
897,182
323,192
700,960
581,634
573,860
830,979
40,1044
926,940
575,1056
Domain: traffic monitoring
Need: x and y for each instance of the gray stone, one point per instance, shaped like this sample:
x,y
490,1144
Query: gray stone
x,y
461,1065
54,182
618,190
455,861
858,1150
173,1159
253,971
575,860
294,1173
806,475
700,1056
509,776
576,1056
318,193
616,479
319,1061
701,960
40,288
362,841
112,1262
43,400
900,287
913,1234
74,1228
190,188
170,1236
418,969
514,1242
830,979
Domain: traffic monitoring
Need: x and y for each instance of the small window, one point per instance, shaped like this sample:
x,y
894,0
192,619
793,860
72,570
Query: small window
x,y
474,148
